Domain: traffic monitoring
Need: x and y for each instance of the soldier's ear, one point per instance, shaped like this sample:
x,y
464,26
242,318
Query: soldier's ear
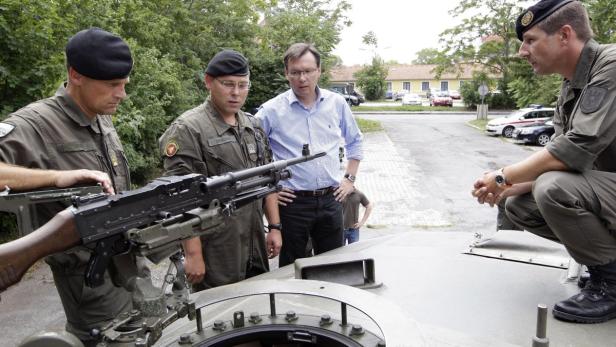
x,y
74,77
208,80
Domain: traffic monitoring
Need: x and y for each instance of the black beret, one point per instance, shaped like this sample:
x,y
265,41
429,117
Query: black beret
x,y
227,63
536,14
99,54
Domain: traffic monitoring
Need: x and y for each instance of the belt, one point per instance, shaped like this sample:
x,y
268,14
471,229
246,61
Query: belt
x,y
315,193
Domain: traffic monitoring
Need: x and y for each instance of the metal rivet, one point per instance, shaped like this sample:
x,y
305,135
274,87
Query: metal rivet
x,y
291,316
185,339
254,318
325,320
219,325
357,330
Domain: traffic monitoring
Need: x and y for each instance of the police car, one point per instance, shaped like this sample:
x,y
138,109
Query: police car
x,y
523,117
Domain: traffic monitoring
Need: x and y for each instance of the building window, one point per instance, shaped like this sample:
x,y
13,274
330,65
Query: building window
x,y
389,86
444,85
461,84
406,86
425,86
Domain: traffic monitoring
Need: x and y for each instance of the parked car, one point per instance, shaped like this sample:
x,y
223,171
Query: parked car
x,y
411,99
359,96
522,117
455,94
350,99
441,98
535,134
400,94
432,92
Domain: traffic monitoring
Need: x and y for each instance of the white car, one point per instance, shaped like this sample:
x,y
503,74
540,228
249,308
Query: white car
x,y
411,99
522,117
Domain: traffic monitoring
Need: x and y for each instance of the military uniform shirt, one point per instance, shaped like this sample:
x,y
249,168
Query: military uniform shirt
x,y
584,121
199,141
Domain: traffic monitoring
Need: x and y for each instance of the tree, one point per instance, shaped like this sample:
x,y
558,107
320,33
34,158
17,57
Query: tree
x,y
603,14
371,79
428,56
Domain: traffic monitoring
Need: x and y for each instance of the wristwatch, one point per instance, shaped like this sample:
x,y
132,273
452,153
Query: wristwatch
x,y
349,177
500,178
276,226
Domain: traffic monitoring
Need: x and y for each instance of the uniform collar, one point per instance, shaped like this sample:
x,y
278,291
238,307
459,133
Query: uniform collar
x,y
220,125
72,110
582,69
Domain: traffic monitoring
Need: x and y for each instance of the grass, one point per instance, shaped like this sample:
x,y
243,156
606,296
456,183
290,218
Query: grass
x,y
367,125
408,108
479,123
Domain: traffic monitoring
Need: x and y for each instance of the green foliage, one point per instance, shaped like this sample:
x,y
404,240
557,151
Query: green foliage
x,y
371,79
367,125
496,99
171,41
603,14
529,88
428,56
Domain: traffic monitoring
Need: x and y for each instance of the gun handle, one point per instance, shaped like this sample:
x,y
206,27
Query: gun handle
x,y
17,256
101,256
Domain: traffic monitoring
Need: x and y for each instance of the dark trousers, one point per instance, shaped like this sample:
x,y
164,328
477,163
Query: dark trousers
x,y
319,218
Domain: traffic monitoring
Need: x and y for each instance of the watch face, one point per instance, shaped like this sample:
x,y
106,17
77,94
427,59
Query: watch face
x,y
499,179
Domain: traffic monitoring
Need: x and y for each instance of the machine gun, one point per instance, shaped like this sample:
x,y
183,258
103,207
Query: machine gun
x,y
150,221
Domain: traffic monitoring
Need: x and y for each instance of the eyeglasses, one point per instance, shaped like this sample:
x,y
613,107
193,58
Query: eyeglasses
x,y
298,74
230,85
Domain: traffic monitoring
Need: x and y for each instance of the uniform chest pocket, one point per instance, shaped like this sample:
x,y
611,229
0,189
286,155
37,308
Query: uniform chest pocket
x,y
78,155
224,154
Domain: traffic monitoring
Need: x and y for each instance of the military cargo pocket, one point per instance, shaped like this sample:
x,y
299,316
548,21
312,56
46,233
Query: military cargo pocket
x,y
78,155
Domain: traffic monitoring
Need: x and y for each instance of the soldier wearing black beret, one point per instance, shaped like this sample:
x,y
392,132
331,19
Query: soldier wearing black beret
x,y
73,130
567,191
212,139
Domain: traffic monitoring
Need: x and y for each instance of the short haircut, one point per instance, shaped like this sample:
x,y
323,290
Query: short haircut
x,y
297,50
573,14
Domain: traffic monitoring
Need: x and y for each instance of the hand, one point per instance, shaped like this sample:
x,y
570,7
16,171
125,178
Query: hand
x,y
285,196
357,225
194,267
485,189
71,177
273,243
346,187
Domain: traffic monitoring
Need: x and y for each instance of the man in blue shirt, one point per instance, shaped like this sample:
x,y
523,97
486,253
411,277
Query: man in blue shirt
x,y
310,203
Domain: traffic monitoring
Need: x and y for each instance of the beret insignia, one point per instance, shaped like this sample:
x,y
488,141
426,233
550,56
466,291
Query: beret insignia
x,y
527,18
171,148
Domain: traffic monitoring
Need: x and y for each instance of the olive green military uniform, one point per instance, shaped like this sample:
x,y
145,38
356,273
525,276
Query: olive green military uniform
x,y
55,134
578,207
199,141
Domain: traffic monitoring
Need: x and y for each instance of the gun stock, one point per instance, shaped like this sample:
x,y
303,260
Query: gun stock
x,y
17,256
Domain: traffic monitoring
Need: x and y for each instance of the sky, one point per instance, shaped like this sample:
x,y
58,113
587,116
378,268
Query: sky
x,y
402,28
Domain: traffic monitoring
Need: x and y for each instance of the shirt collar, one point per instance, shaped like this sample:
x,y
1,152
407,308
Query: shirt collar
x,y
72,110
292,98
582,69
220,125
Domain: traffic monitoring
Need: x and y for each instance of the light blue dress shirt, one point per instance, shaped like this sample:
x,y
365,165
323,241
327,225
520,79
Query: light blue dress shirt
x,y
289,125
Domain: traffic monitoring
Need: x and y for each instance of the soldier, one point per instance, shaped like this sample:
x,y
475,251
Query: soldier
x,y
73,130
566,192
214,138
306,114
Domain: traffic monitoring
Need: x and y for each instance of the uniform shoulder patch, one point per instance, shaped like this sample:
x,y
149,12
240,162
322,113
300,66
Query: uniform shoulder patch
x,y
5,129
171,148
592,99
